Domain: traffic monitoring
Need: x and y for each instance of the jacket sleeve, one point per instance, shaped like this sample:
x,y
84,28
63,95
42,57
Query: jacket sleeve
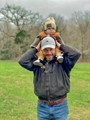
x,y
60,40
71,55
28,58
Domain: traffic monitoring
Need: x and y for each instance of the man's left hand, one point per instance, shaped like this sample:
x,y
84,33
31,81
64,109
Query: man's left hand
x,y
58,44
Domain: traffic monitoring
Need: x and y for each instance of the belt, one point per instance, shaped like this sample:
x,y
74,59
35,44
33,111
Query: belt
x,y
51,103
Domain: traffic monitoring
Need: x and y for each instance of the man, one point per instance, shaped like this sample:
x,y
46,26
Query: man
x,y
52,81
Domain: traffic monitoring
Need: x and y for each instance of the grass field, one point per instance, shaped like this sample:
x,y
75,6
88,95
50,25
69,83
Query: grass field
x,y
17,99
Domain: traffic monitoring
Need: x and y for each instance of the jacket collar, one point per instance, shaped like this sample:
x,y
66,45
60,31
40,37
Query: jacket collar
x,y
51,61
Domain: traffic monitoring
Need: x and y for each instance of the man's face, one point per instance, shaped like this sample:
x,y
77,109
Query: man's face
x,y
48,53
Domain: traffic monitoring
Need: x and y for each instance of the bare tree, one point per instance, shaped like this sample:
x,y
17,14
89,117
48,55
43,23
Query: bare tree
x,y
19,17
82,22
16,24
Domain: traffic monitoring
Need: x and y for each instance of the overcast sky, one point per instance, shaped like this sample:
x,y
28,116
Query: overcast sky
x,y
45,7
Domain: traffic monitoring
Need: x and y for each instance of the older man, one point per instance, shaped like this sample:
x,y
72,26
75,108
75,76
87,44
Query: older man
x,y
52,81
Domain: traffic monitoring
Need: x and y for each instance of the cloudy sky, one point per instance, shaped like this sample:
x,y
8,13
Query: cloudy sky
x,y
45,7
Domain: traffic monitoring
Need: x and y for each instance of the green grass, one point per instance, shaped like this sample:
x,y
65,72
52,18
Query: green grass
x,y
17,99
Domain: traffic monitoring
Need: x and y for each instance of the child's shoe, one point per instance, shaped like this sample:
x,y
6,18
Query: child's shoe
x,y
38,63
60,58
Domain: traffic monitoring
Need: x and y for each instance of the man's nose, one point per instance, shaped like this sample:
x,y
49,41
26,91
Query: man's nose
x,y
49,52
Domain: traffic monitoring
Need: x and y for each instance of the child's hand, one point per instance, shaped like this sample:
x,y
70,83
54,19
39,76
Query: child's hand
x,y
58,44
38,46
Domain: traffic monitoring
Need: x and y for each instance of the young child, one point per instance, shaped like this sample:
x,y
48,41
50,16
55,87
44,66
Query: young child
x,y
49,30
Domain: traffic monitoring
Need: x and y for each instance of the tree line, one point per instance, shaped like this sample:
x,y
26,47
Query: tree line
x,y
19,27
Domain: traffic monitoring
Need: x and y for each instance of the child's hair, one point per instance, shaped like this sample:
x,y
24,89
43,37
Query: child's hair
x,y
50,22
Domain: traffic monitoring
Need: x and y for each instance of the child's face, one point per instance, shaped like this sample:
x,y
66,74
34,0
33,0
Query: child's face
x,y
50,31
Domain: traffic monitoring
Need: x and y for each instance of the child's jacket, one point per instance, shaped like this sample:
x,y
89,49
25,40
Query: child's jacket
x,y
42,34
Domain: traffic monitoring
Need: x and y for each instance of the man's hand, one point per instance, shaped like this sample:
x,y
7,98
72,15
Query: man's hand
x,y
38,46
58,44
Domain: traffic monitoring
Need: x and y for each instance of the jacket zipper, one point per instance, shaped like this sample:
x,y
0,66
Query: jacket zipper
x,y
48,79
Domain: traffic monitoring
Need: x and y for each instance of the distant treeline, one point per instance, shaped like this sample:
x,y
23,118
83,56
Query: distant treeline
x,y
19,27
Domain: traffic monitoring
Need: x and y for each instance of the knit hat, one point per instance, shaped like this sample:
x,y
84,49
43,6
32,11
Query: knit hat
x,y
47,42
50,22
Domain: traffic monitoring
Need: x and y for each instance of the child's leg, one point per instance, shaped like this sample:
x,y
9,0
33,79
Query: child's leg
x,y
35,43
38,62
40,55
58,52
59,55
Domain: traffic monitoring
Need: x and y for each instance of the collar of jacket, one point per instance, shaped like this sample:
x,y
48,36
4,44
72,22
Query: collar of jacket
x,y
51,61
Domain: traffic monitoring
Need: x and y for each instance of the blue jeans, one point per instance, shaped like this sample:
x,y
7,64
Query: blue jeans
x,y
55,112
